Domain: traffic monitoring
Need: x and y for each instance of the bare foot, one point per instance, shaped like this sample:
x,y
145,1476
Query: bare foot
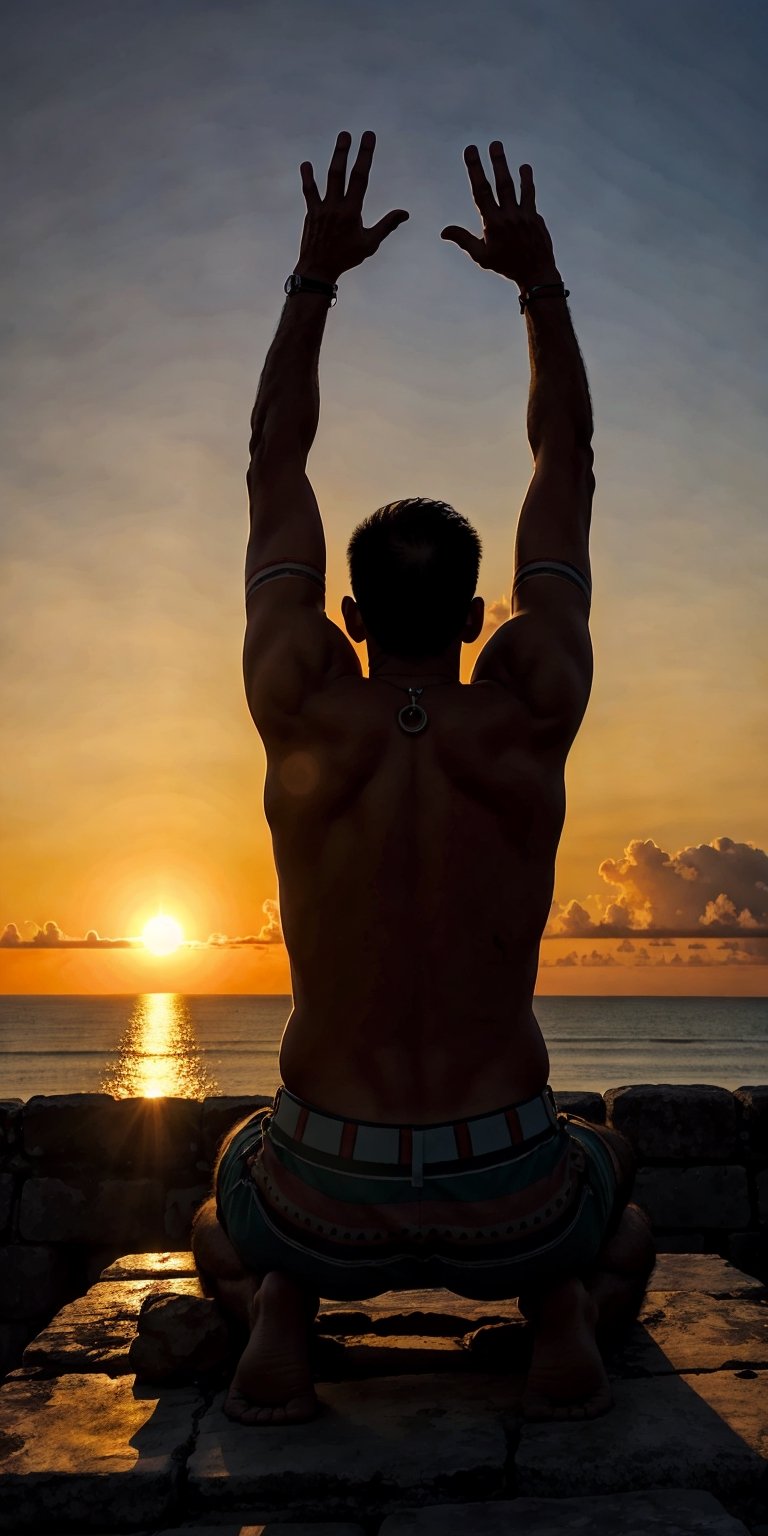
x,y
567,1378
273,1380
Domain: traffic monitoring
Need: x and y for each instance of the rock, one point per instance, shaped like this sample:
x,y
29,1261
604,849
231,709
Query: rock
x,y
436,1312
674,1122
749,1251
77,1210
150,1266
273,1528
375,1354
224,1111
7,1191
688,1331
588,1106
705,1431
145,1135
374,1445
694,1197
752,1111
180,1207
680,1242
13,1337
761,1183
90,1450
95,1332
178,1338
33,1280
10,1122
662,1512
500,1346
702,1272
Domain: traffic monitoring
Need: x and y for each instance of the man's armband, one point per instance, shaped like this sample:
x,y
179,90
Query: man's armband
x,y
553,568
282,568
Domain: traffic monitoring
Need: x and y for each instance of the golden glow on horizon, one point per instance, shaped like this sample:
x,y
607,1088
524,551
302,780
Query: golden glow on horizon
x,y
162,935
158,1055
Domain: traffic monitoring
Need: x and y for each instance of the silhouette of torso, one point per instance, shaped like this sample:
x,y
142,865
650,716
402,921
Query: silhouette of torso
x,y
415,879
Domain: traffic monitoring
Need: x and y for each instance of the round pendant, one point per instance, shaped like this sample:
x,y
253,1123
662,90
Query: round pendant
x,y
412,718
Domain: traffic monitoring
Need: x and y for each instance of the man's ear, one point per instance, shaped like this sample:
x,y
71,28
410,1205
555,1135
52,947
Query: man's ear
x,y
352,620
475,620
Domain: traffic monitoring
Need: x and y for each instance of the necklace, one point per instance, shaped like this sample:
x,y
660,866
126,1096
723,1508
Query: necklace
x,y
413,718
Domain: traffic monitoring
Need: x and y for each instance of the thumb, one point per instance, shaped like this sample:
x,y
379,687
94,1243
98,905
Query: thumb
x,y
464,240
386,225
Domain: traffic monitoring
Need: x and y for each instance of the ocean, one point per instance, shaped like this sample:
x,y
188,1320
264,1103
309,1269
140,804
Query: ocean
x,y
164,1043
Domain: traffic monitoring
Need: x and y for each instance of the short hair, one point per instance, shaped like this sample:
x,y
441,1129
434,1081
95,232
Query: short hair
x,y
413,566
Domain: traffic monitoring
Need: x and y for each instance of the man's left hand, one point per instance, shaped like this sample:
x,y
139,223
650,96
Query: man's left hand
x,y
334,239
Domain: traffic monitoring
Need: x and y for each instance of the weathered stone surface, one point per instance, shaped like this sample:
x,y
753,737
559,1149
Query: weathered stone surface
x,y
373,1445
90,1453
224,1111
749,1251
273,1528
180,1207
376,1354
10,1121
702,1272
150,1266
690,1331
178,1338
32,1280
7,1191
145,1135
752,1112
676,1121
75,1211
762,1195
435,1312
694,1197
95,1332
588,1106
667,1512
705,1431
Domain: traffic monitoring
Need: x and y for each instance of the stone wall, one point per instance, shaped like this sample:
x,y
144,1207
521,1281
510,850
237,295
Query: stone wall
x,y
86,1178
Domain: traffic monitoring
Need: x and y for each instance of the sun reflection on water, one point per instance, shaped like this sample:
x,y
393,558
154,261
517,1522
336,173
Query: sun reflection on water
x,y
158,1055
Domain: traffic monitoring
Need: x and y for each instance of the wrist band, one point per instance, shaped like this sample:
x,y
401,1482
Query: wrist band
x,y
298,284
543,288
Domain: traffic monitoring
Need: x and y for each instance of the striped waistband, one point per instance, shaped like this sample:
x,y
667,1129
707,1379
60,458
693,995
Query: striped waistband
x,y
517,1125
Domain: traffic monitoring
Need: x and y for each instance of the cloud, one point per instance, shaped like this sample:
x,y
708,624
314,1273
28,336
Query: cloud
x,y
704,890
270,932
51,936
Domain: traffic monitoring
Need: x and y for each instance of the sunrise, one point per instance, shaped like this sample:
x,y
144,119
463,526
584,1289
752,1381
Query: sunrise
x,y
384,900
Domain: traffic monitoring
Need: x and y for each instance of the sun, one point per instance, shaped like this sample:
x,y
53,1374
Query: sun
x,y
162,934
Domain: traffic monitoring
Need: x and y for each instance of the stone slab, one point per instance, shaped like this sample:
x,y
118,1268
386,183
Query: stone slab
x,y
428,1311
706,1431
658,1512
691,1331
698,1197
752,1109
95,1332
74,1210
702,1272
143,1134
582,1103
373,1446
222,1112
376,1354
33,1280
87,1453
150,1266
272,1528
675,1122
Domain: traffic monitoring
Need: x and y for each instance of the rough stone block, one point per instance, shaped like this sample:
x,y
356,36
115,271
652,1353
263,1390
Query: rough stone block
x,y
705,1431
32,1280
150,1266
659,1512
702,1272
224,1111
145,1135
694,1197
762,1196
588,1106
434,1312
376,1354
676,1122
95,1332
374,1445
7,1192
13,1337
749,1251
681,1242
179,1338
180,1207
752,1111
689,1331
10,1122
273,1528
77,1211
88,1453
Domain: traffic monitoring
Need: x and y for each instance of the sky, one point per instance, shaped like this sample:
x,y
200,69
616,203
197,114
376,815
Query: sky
x,y
153,209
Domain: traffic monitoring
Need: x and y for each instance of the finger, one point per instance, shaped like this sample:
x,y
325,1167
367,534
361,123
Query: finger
x,y
361,170
527,189
505,186
337,169
385,226
309,185
481,187
473,246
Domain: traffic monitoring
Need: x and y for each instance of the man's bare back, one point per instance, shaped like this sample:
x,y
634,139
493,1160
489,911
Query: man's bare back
x,y
416,876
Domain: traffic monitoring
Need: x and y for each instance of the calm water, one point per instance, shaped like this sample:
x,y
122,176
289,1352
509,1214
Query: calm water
x,y
165,1043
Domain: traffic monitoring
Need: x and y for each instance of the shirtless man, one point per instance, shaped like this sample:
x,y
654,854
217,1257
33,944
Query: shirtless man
x,y
415,821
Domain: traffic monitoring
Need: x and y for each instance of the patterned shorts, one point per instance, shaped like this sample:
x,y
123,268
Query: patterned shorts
x,y
486,1226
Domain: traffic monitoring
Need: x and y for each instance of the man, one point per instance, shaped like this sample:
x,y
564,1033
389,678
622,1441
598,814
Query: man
x,y
415,822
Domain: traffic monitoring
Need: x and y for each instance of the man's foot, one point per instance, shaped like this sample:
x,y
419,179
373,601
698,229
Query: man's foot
x,y
567,1378
273,1380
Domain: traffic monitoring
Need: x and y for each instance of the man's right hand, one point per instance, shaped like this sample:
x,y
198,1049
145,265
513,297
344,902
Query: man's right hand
x,y
516,242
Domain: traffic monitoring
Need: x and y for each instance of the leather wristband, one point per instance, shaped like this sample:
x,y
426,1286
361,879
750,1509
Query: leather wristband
x,y
298,284
525,298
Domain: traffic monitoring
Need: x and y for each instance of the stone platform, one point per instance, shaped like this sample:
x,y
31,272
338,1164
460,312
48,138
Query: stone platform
x,y
420,1431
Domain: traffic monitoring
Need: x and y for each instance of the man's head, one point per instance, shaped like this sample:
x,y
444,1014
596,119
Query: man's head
x,y
413,566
